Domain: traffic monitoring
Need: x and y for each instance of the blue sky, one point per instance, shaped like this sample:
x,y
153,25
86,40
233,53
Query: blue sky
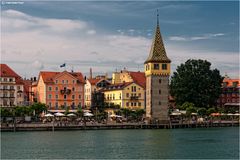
x,y
112,35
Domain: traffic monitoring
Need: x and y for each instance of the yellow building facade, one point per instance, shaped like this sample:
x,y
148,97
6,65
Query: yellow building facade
x,y
127,95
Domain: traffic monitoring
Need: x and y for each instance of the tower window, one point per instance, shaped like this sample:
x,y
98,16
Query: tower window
x,y
156,66
159,91
164,66
160,81
159,102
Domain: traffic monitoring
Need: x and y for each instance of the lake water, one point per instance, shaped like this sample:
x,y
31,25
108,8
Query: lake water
x,y
145,144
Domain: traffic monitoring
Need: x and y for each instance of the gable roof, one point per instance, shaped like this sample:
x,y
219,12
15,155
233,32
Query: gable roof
x,y
6,71
93,81
139,78
48,77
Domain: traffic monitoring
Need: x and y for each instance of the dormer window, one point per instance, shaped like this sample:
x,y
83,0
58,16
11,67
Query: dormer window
x,y
164,66
156,66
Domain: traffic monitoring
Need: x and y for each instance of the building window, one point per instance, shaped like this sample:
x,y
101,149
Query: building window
x,y
120,96
56,88
56,96
127,95
159,91
73,89
56,104
62,81
67,81
131,103
164,66
135,104
127,104
79,96
10,80
73,81
160,81
56,81
5,79
73,97
65,96
139,95
50,104
113,96
156,66
49,96
159,103
139,104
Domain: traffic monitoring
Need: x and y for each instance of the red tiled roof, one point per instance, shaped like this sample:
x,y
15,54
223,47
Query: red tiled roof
x,y
139,78
6,71
49,76
93,81
231,81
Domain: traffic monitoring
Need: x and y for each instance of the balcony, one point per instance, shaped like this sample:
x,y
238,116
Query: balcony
x,y
7,96
134,98
65,91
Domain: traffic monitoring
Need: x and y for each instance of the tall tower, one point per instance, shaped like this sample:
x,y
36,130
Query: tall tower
x,y
157,71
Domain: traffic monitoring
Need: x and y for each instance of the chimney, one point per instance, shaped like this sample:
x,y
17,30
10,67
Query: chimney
x,y
90,76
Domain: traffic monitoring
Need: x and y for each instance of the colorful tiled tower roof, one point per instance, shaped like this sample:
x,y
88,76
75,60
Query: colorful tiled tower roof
x,y
157,52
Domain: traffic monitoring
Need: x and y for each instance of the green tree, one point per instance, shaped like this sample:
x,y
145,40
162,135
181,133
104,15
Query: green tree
x,y
202,111
186,105
190,110
39,108
80,112
196,83
210,111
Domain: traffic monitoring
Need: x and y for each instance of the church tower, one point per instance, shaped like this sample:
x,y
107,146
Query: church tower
x,y
157,71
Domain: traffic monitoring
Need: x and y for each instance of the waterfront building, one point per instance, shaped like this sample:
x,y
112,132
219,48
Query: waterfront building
x,y
129,76
157,71
12,87
125,95
93,97
59,90
230,96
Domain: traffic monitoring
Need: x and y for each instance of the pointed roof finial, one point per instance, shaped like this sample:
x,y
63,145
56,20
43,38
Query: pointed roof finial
x,y
157,18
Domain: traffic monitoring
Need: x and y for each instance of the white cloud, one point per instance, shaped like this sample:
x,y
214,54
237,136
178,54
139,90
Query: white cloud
x,y
91,32
177,38
38,65
14,21
194,38
29,47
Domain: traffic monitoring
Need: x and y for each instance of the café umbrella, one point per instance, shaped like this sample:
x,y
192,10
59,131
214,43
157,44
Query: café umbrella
x,y
48,115
59,114
87,114
71,115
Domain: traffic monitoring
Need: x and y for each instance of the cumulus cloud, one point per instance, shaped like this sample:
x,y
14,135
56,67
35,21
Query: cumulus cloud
x,y
43,49
14,21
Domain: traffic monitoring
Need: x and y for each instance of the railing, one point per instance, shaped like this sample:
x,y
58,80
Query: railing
x,y
7,96
134,97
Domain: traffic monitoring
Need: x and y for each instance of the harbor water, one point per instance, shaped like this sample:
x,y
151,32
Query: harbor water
x,y
203,143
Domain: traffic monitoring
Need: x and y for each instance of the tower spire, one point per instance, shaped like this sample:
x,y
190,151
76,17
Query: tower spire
x,y
157,52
